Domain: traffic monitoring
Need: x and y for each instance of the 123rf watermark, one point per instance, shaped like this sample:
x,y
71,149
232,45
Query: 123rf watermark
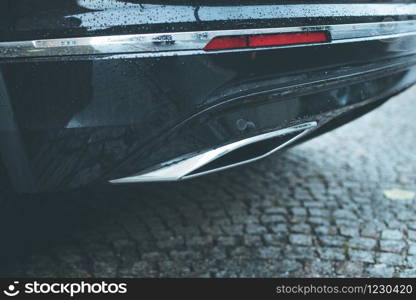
x,y
59,288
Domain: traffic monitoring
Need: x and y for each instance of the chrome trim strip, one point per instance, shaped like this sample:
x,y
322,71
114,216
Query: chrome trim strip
x,y
188,43
179,169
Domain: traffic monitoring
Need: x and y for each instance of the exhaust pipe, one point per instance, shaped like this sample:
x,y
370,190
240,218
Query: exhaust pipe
x,y
224,157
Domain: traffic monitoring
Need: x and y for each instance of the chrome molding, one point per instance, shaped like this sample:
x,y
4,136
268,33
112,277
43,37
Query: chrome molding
x,y
188,43
181,168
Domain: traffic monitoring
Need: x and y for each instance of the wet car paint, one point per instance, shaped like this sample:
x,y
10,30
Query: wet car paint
x,y
27,19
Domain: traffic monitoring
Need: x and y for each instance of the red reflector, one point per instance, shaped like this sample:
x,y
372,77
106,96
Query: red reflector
x,y
287,39
227,42
266,40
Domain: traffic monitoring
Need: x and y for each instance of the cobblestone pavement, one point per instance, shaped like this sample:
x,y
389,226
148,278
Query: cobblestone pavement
x,y
319,209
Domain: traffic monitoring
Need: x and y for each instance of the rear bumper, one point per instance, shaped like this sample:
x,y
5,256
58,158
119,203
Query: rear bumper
x,y
90,114
195,42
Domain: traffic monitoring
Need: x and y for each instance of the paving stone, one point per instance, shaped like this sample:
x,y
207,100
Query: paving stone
x,y
369,231
349,231
316,204
253,241
318,221
344,214
411,235
301,228
332,253
412,249
362,243
270,252
390,259
298,252
255,229
318,268
275,239
407,273
389,234
411,225
233,229
279,228
319,212
300,239
380,270
299,211
395,246
361,255
332,240
411,261
349,268
227,241
276,210
272,219
200,241
326,230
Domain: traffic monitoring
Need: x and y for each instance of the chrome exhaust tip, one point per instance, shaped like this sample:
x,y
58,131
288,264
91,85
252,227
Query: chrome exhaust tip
x,y
221,158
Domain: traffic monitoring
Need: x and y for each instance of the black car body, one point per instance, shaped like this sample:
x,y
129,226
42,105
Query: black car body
x,y
155,90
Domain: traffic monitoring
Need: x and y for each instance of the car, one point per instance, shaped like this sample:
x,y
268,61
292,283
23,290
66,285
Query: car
x,y
128,91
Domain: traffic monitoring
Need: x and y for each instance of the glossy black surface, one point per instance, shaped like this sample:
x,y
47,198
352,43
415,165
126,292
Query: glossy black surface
x,y
38,19
67,122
